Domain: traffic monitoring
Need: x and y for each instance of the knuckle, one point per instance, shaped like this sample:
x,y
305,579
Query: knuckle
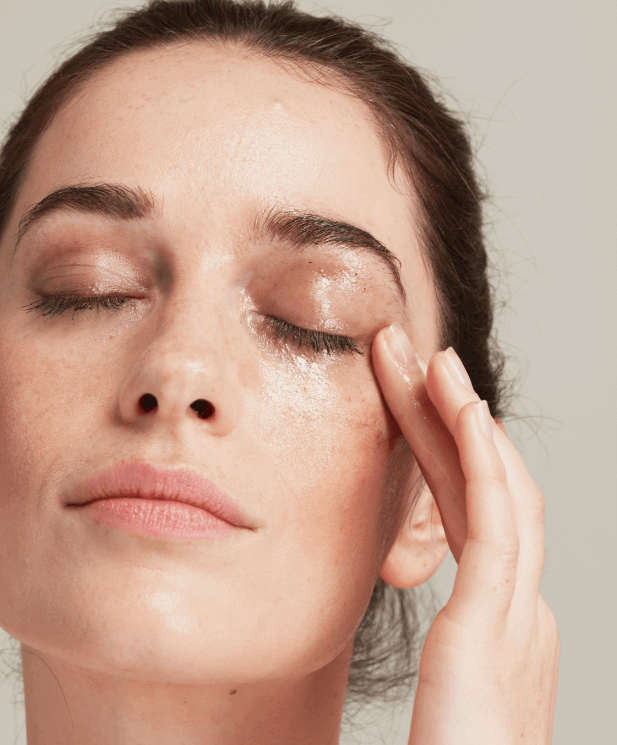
x,y
495,472
507,550
503,550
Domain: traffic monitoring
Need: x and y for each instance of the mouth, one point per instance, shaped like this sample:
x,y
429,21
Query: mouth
x,y
138,483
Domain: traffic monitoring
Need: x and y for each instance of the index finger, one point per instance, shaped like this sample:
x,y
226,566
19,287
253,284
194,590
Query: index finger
x,y
403,385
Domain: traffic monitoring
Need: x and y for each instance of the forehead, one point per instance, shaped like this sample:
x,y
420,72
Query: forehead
x,y
217,115
217,132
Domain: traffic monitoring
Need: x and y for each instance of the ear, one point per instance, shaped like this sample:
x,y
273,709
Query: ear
x,y
420,546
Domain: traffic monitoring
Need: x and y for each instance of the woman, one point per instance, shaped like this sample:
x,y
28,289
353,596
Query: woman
x,y
223,227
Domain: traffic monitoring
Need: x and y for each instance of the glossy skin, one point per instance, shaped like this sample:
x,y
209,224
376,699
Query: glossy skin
x,y
130,639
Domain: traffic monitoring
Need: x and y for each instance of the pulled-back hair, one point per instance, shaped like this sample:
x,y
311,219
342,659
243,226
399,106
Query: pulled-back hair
x,y
421,135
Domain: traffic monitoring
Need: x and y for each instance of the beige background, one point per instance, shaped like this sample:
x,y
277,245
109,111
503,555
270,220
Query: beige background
x,y
538,80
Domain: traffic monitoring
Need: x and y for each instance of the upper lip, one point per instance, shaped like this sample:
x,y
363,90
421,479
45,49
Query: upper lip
x,y
183,484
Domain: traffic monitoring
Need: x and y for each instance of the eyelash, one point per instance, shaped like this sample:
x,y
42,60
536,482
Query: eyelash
x,y
53,305
319,340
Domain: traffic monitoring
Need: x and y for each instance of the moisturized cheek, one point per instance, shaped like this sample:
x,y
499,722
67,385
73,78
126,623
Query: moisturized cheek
x,y
323,444
322,425
298,390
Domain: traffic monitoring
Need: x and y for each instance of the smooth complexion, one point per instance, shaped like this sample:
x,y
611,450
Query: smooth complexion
x,y
129,638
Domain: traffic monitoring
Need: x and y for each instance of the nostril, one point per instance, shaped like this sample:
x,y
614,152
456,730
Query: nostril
x,y
147,402
203,408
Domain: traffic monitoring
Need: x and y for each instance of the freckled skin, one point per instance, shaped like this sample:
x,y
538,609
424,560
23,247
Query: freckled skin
x,y
143,639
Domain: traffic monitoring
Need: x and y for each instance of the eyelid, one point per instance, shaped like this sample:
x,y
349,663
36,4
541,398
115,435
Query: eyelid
x,y
331,343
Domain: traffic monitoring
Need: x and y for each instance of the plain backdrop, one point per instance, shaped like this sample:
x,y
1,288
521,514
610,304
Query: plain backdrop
x,y
537,81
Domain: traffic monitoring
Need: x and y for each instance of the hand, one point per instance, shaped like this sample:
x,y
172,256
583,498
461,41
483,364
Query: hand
x,y
490,662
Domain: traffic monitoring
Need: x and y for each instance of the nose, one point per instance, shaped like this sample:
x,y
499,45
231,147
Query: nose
x,y
182,377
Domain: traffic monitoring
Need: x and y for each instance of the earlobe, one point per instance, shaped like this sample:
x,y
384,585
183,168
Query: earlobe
x,y
420,546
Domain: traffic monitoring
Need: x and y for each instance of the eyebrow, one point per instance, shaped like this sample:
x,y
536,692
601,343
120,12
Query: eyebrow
x,y
302,230
298,230
111,200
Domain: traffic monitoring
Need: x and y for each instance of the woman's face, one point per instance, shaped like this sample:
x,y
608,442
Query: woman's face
x,y
230,150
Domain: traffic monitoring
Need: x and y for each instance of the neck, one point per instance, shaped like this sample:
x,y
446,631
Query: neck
x,y
69,705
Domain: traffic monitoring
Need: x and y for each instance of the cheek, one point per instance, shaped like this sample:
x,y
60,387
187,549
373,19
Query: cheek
x,y
324,445
51,408
326,435
31,414
35,417
42,394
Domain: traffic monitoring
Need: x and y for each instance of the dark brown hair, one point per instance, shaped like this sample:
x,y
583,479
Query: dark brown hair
x,y
422,135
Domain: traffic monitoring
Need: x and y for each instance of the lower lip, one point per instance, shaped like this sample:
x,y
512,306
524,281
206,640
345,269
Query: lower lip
x,y
160,518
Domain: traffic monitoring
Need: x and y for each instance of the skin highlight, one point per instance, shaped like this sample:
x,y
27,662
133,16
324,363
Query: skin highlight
x,y
128,639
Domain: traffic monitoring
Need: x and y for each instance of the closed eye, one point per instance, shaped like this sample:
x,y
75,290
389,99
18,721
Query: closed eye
x,y
318,340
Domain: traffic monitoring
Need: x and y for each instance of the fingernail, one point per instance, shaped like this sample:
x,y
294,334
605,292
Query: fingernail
x,y
458,368
400,346
486,420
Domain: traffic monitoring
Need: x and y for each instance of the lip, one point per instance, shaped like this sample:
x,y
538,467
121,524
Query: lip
x,y
147,481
